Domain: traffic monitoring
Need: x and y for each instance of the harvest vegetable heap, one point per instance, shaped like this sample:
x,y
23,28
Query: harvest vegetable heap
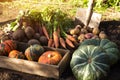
x,y
93,52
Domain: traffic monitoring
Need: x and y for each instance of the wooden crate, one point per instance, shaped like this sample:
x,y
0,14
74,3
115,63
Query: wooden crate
x,y
32,67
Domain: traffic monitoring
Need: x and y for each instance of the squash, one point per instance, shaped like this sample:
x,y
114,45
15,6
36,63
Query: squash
x,y
110,47
89,62
16,54
33,52
7,46
50,57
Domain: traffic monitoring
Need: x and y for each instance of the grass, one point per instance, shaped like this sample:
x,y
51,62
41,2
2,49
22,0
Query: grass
x,y
70,6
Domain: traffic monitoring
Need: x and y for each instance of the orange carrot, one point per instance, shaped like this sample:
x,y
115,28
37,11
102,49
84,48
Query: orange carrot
x,y
56,39
45,32
53,44
71,38
58,30
50,42
69,43
62,42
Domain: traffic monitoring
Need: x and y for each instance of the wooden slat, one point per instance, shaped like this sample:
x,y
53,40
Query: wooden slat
x,y
11,63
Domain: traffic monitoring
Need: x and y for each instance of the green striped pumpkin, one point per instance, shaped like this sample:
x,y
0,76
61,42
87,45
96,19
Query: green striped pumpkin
x,y
33,52
110,47
89,63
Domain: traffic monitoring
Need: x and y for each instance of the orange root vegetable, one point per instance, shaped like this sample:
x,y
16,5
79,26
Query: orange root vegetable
x,y
56,39
50,42
62,42
58,30
45,32
53,44
69,43
71,38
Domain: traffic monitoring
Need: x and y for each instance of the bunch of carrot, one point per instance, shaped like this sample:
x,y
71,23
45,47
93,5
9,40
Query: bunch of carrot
x,y
55,32
57,38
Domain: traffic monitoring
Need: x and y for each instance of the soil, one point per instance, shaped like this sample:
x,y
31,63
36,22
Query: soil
x,y
112,28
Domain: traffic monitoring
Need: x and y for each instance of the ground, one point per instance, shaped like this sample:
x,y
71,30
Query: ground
x,y
10,10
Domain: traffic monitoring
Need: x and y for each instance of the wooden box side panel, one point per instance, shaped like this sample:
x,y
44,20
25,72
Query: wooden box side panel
x,y
64,63
29,67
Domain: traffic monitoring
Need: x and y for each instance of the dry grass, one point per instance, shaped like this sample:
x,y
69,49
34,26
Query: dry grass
x,y
9,10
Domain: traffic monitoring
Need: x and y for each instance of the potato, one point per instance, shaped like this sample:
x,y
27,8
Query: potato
x,y
84,31
102,35
96,30
76,30
78,27
81,37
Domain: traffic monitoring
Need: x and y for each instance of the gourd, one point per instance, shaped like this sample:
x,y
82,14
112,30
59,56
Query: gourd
x,y
33,52
110,47
7,46
89,62
16,54
50,57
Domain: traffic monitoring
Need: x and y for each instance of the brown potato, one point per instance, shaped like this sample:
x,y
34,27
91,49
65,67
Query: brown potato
x,y
81,37
96,30
84,31
102,35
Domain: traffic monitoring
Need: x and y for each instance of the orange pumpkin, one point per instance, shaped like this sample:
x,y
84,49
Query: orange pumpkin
x,y
7,46
50,57
16,54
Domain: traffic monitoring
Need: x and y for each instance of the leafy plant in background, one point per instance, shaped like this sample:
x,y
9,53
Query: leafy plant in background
x,y
102,5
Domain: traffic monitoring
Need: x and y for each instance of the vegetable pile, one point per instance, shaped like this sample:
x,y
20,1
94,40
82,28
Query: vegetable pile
x,y
50,27
94,52
34,52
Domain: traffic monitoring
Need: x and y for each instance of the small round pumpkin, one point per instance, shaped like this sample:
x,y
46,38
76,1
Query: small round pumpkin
x,y
16,54
50,57
33,52
7,46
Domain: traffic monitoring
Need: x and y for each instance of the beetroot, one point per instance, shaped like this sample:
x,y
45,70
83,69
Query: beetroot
x,y
89,35
37,36
43,40
33,41
29,31
18,35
